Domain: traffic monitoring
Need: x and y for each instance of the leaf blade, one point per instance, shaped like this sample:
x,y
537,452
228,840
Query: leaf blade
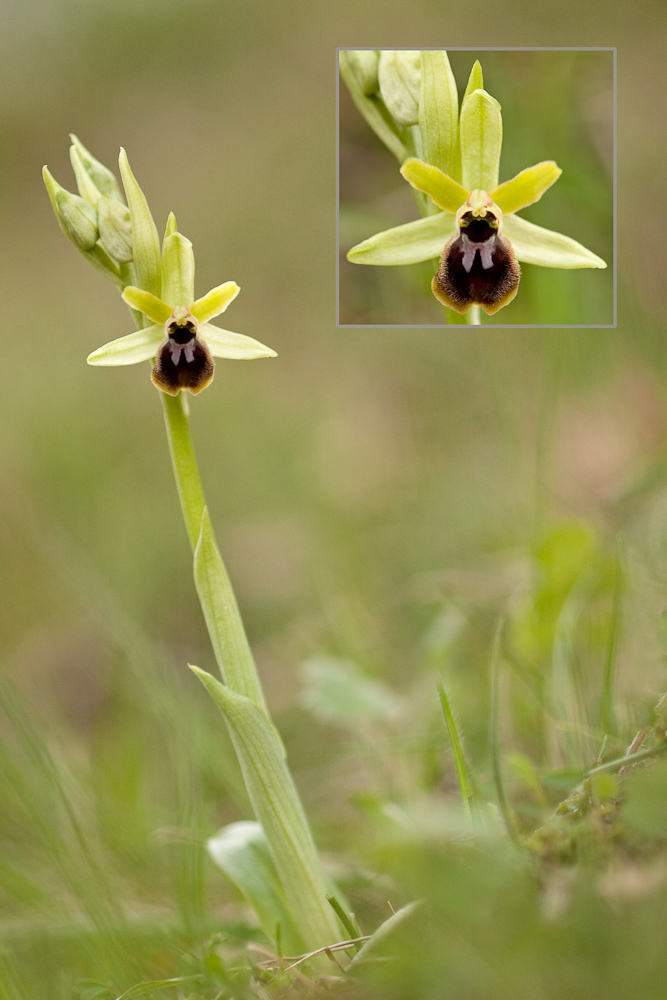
x,y
242,851
278,808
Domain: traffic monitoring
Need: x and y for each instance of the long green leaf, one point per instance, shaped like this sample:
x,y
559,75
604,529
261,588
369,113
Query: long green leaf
x,y
242,851
141,989
384,931
494,738
278,808
460,762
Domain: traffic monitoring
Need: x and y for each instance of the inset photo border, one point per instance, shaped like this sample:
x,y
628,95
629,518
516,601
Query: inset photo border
x,y
476,186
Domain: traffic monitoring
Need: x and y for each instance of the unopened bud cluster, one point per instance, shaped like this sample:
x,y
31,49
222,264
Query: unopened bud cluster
x,y
97,220
391,77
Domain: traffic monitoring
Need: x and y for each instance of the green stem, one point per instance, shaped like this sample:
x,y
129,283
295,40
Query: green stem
x,y
257,744
184,464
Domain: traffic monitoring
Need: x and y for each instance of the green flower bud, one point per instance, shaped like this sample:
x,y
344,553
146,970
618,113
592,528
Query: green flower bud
x,y
364,64
113,220
103,179
399,74
78,219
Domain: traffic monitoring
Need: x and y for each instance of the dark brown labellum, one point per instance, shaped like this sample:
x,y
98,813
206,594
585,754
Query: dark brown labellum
x,y
183,361
477,267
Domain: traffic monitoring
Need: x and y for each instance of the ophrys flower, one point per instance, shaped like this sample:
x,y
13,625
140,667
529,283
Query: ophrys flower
x,y
470,220
180,337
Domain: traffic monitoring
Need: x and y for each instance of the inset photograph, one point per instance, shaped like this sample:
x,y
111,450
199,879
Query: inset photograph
x,y
476,187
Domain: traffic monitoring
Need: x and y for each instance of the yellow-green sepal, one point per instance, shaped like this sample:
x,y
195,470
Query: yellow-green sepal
x,y
145,239
178,271
534,245
438,110
130,350
227,344
527,187
104,180
411,243
171,226
481,141
215,302
445,192
145,302
373,110
475,80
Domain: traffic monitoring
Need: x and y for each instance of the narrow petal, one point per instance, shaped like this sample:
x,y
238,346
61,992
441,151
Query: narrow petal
x,y
535,245
178,271
226,344
527,187
150,305
146,241
438,110
444,191
215,302
408,244
481,141
139,346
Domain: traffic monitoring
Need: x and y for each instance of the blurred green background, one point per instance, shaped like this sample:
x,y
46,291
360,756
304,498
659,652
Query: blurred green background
x,y
555,106
380,497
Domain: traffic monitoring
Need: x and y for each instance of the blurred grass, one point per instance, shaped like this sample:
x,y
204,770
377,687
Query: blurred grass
x,y
380,496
